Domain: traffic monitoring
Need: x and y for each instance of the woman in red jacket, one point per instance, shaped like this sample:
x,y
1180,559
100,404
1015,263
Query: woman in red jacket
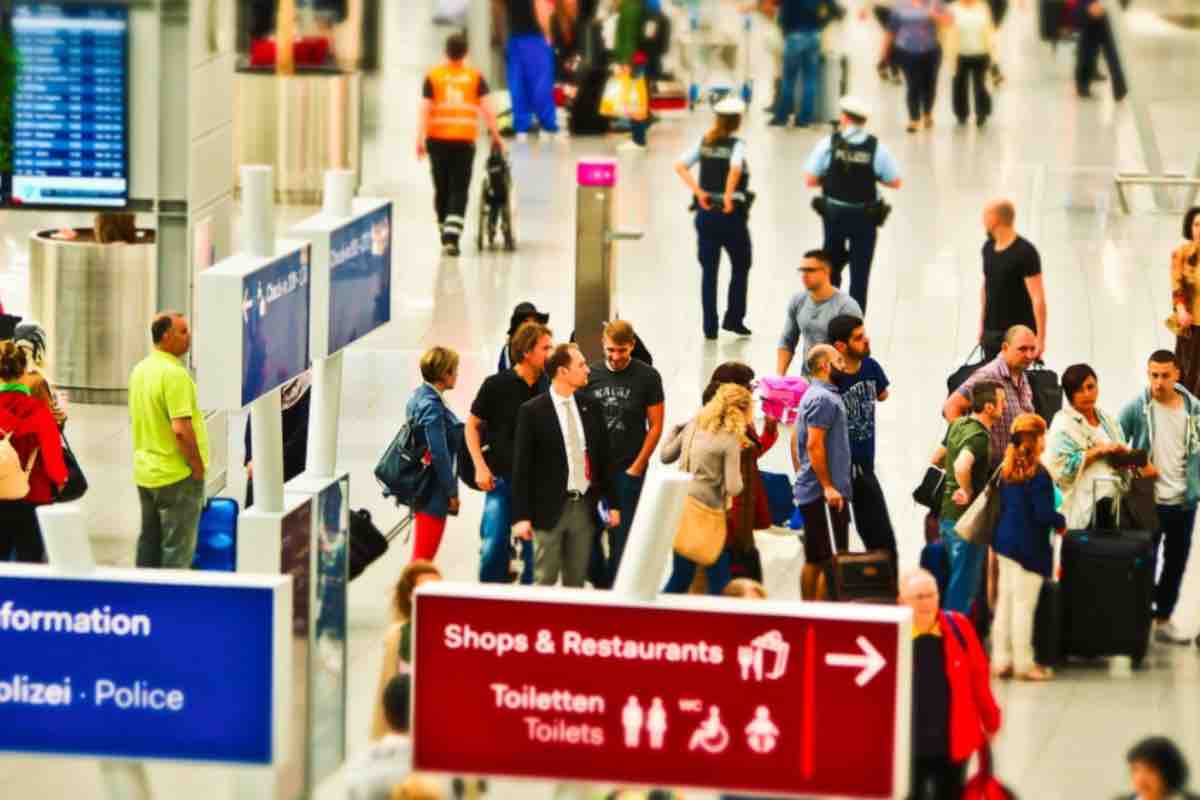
x,y
35,436
954,713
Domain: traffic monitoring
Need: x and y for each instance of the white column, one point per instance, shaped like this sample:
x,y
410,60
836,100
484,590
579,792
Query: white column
x,y
258,210
338,200
266,439
652,537
323,417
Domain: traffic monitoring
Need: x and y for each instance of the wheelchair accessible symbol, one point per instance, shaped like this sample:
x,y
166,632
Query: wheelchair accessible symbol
x,y
712,736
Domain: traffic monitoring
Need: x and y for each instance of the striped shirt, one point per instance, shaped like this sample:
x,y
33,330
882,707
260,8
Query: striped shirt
x,y
1018,400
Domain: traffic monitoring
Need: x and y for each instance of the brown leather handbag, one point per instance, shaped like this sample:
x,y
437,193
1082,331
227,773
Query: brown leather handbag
x,y
700,537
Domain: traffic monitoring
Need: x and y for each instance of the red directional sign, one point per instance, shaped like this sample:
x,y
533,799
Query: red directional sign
x,y
727,695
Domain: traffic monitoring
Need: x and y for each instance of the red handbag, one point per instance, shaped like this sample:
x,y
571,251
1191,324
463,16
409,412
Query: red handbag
x,y
985,785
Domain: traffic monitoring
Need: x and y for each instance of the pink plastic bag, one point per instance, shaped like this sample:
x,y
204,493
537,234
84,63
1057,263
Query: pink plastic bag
x,y
781,397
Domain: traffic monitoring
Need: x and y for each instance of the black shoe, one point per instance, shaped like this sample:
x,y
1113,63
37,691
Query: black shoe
x,y
740,329
1084,95
1119,96
450,249
979,123
777,123
800,124
962,121
712,337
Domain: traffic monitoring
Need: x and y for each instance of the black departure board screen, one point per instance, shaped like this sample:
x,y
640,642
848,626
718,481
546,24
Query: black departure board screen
x,y
70,120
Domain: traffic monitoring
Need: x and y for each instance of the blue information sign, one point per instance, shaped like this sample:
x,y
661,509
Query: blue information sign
x,y
275,310
360,282
136,670
70,121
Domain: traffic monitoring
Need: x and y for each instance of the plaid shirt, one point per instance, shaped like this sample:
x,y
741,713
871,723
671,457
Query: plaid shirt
x,y
1018,400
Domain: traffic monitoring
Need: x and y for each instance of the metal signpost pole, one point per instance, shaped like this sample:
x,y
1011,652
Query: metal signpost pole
x,y
596,269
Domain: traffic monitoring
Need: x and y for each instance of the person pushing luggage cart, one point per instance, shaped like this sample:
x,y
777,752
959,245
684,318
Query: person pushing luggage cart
x,y
453,97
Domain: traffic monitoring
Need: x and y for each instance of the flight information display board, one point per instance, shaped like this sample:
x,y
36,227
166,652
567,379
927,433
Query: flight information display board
x,y
70,116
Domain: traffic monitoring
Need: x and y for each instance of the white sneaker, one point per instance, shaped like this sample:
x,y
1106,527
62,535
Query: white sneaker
x,y
629,147
1166,633
562,137
522,138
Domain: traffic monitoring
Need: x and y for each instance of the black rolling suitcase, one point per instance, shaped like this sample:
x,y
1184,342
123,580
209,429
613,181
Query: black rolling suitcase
x,y
1107,591
867,577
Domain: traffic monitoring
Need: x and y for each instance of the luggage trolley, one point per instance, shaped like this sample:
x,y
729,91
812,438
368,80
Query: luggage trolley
x,y
711,56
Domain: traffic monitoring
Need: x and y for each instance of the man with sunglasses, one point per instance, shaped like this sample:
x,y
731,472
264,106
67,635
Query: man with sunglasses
x,y
630,395
810,312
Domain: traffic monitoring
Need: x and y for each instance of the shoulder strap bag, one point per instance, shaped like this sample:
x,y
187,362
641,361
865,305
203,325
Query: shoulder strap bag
x,y
978,523
700,537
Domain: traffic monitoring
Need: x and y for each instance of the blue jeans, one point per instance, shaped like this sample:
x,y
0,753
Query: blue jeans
x,y
850,236
602,572
1175,536
495,529
683,570
716,230
801,59
966,568
531,82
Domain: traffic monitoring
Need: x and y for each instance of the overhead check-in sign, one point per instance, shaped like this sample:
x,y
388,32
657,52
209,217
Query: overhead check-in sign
x,y
144,664
781,699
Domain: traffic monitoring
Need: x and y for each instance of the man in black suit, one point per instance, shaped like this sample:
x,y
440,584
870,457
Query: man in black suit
x,y
560,471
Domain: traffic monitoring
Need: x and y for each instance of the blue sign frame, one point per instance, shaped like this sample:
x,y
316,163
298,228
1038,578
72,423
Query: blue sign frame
x,y
276,304
123,669
360,277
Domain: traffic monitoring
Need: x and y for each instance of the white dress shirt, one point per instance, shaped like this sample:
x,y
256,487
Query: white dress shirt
x,y
563,405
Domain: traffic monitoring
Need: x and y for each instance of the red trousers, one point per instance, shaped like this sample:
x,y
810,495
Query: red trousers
x,y
428,536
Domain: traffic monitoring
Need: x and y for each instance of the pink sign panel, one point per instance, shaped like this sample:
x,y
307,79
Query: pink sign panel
x,y
720,695
596,172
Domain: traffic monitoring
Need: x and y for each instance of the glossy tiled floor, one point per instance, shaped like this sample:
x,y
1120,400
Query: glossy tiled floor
x,y
1106,279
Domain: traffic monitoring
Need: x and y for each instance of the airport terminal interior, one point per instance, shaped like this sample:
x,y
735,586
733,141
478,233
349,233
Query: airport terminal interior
x,y
1053,154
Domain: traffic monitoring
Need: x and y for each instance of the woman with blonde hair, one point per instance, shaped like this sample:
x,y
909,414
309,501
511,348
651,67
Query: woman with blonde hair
x,y
710,448
1023,548
721,200
440,432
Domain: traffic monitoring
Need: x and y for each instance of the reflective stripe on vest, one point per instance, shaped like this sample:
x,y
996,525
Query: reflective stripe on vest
x,y
455,112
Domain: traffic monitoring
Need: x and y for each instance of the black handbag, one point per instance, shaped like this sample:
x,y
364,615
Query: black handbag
x,y
960,375
403,470
76,485
929,492
1047,392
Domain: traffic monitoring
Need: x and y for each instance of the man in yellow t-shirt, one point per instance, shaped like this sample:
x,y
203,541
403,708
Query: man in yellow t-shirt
x,y
170,447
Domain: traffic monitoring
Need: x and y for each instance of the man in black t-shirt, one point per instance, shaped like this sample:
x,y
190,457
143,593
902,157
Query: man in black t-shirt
x,y
491,432
630,393
1013,293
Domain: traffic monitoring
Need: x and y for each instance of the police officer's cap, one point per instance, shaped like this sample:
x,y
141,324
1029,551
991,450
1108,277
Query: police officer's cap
x,y
855,106
731,106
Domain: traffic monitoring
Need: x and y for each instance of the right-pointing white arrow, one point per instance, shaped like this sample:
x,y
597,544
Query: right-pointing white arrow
x,y
870,662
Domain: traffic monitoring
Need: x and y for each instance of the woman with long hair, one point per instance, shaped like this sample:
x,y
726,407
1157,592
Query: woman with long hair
x,y
710,448
1023,549
1185,302
749,510
721,200
27,425
397,641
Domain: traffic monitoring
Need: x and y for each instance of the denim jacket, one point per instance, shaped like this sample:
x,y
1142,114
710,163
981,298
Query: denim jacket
x,y
1138,423
443,434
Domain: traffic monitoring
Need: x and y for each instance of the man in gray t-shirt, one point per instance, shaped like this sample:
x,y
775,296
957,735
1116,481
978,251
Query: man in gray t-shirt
x,y
810,311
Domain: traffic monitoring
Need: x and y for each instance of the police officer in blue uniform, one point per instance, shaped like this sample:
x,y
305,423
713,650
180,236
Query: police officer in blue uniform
x,y
721,200
847,165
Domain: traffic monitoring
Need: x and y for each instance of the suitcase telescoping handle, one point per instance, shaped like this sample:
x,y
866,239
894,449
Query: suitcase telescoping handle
x,y
833,550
